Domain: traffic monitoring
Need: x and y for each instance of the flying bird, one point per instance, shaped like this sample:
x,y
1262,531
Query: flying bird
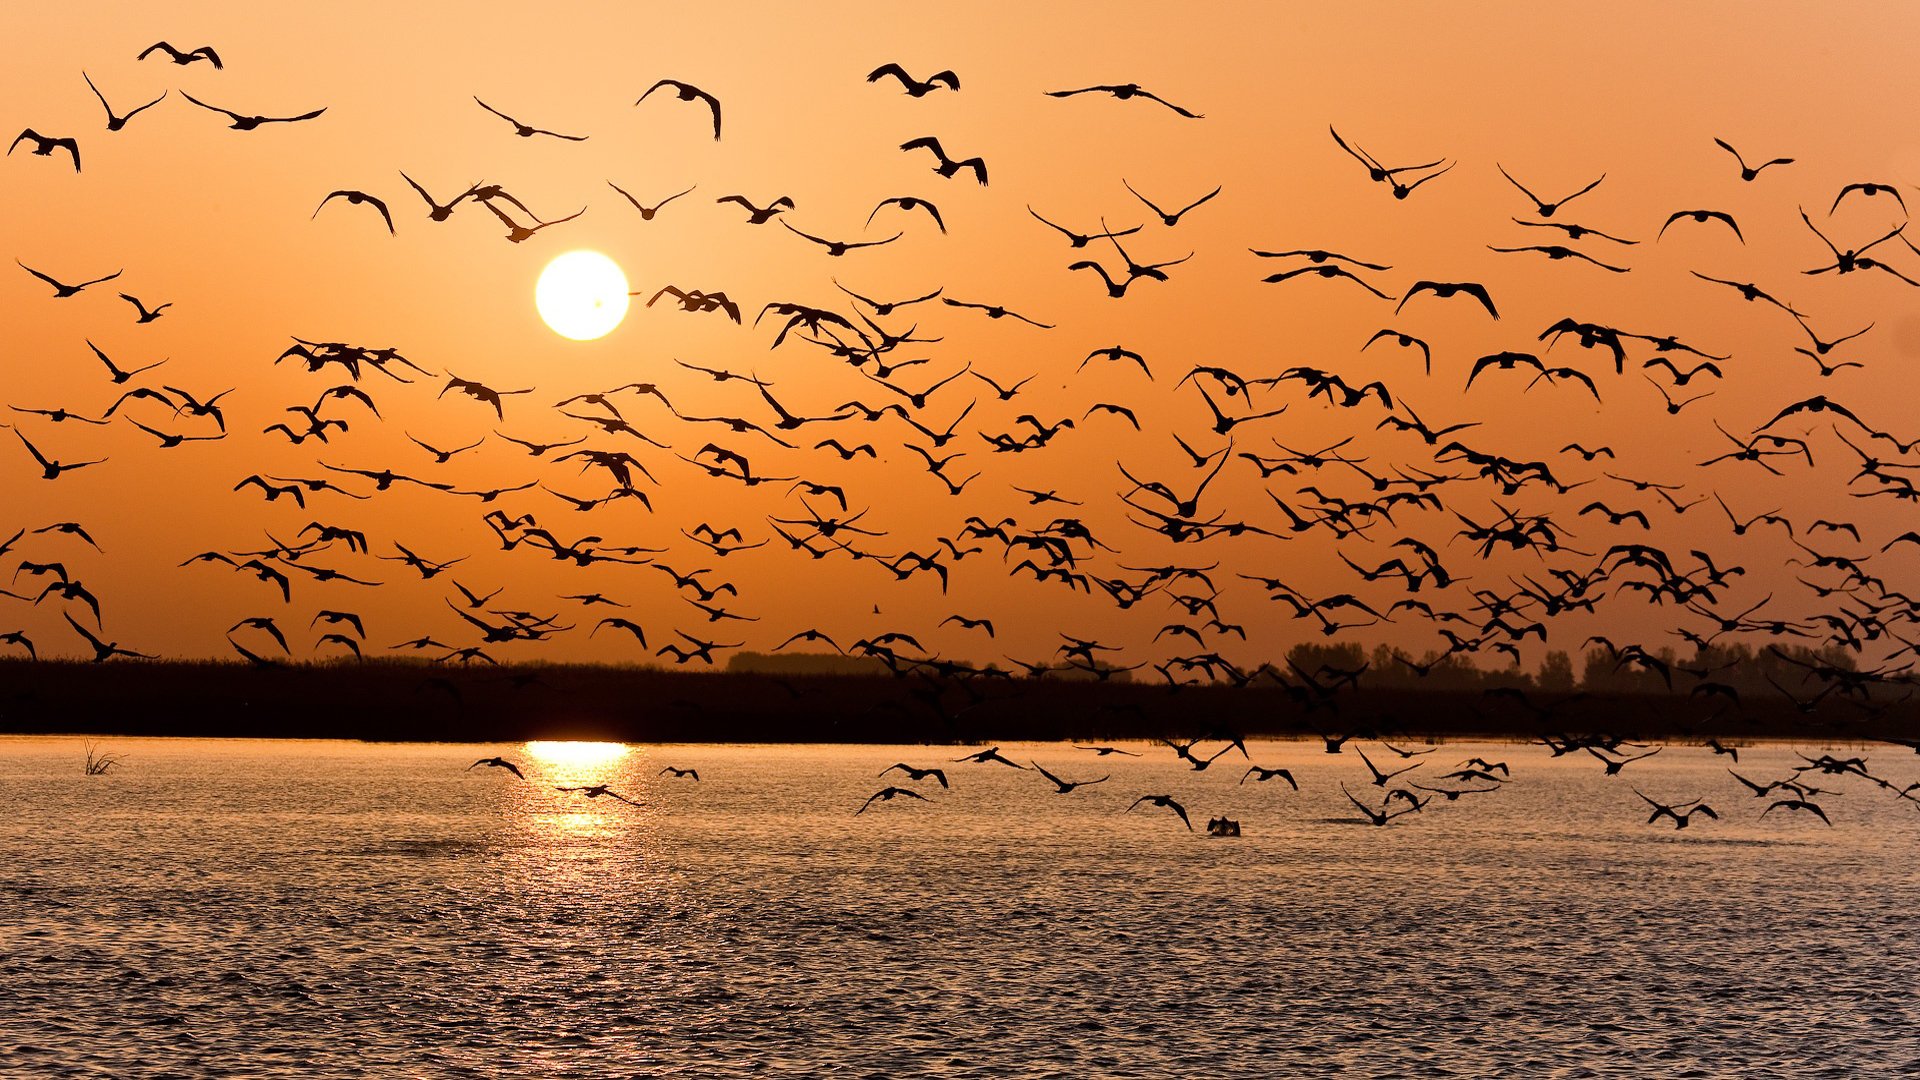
x,y
1126,92
437,211
45,145
947,166
1546,209
1170,218
204,52
1165,802
1065,787
243,122
915,87
1446,289
985,756
1260,775
838,247
917,774
1703,216
888,795
356,198
50,469
62,290
480,392
104,650
1080,240
757,215
909,203
116,122
1681,813
526,131
147,314
1868,190
1791,805
1556,252
1750,172
647,212
689,92
595,791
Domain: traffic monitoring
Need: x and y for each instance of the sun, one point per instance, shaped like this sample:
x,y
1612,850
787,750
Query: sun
x,y
582,295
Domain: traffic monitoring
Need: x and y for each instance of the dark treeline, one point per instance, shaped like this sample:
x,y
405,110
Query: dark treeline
x,y
1338,693
1789,672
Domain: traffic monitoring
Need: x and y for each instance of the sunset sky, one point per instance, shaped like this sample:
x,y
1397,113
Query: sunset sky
x,y
221,224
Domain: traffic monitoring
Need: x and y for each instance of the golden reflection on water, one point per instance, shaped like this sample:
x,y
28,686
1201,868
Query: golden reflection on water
x,y
554,764
577,755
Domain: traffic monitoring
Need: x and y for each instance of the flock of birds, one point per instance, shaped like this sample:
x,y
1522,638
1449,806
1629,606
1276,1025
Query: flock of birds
x,y
1442,495
1791,794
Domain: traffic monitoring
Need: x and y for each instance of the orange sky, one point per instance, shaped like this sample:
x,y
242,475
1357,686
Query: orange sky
x,y
218,223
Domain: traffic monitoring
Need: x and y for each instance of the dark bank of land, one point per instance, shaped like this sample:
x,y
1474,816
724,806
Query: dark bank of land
x,y
400,701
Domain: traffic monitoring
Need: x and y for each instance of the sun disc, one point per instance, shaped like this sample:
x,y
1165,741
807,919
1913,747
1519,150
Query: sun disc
x,y
582,295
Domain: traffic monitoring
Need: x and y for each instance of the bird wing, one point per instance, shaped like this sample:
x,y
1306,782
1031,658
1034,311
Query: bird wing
x,y
31,270
31,449
1518,184
218,109
1183,112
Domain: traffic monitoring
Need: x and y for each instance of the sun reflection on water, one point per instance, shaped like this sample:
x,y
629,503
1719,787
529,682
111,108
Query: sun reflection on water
x,y
577,755
565,817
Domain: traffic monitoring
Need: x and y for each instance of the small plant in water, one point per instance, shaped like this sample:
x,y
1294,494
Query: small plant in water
x,y
98,763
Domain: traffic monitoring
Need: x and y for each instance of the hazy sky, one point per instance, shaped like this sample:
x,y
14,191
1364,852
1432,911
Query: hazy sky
x,y
219,223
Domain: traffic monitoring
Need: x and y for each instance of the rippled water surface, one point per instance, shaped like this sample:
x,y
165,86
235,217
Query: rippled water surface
x,y
257,908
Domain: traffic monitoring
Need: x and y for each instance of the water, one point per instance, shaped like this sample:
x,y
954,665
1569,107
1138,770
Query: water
x,y
263,908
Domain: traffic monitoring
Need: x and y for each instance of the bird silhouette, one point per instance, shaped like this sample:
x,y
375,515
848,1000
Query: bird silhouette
x,y
243,122
917,774
595,791
204,52
1703,216
1066,787
357,198
986,756
1126,92
1791,805
943,164
688,92
1171,218
1750,173
838,247
1165,802
647,212
1261,775
116,121
1447,289
1543,208
1382,816
50,469
61,290
524,130
912,86
103,650
888,794
1681,813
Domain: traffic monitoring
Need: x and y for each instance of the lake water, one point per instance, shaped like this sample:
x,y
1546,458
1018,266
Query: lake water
x,y
304,908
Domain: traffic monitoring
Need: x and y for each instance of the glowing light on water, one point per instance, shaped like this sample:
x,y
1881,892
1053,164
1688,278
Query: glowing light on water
x,y
577,755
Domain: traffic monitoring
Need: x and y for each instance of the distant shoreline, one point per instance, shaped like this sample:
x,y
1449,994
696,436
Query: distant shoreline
x,y
383,701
